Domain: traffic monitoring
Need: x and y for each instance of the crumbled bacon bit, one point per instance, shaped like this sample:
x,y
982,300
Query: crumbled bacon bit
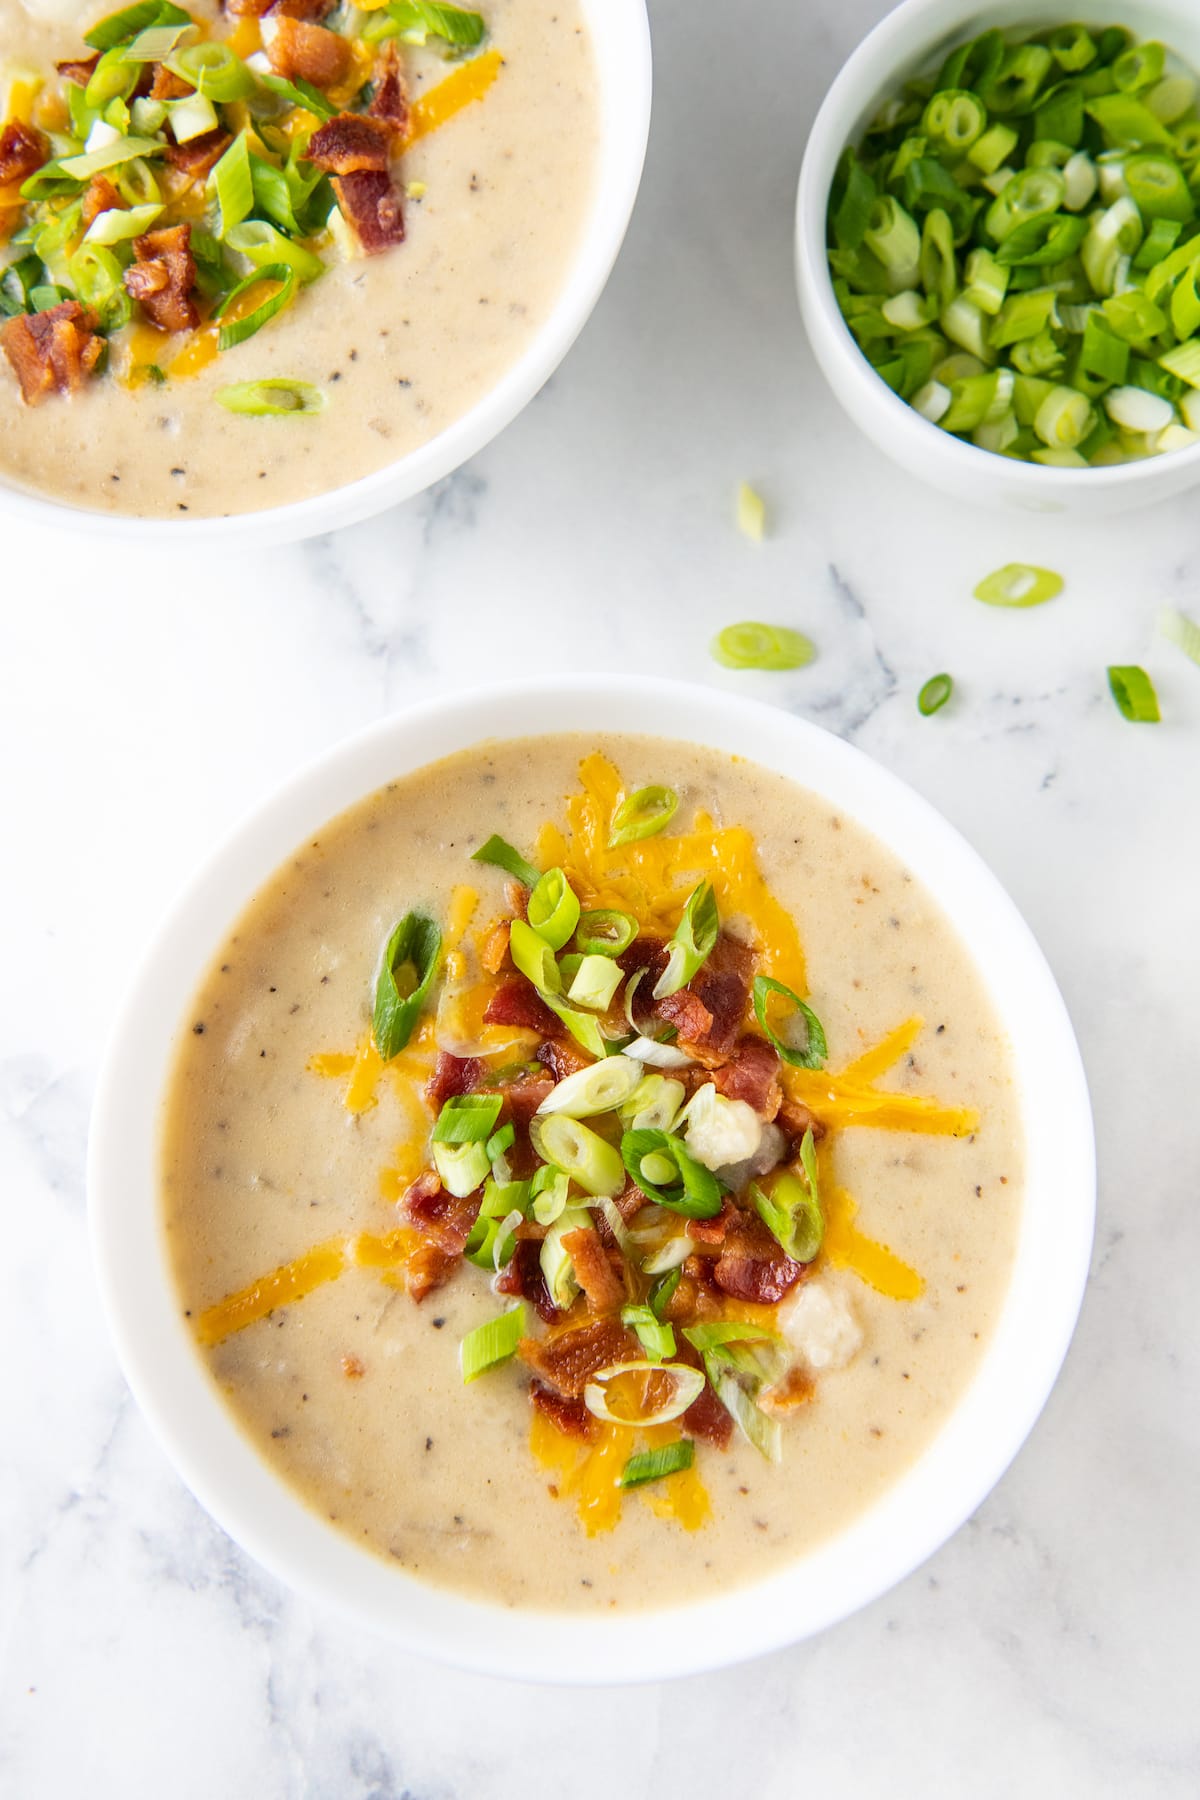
x,y
453,1075
23,150
302,52
247,9
752,1075
52,351
795,1118
516,1002
517,895
391,94
445,1223
713,1231
101,196
526,1095
630,1201
348,143
563,1057
796,1389
370,203
78,69
162,278
604,1288
687,1012
167,85
311,11
353,1367
752,1266
706,1418
568,1362
199,154
570,1416
523,1277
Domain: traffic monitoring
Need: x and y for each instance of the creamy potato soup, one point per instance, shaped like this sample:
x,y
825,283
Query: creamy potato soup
x,y
714,1289
417,252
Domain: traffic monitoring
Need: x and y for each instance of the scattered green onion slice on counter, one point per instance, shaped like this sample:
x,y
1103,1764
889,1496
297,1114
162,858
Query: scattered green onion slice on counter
x,y
469,1119
656,1338
238,330
1019,584
812,1053
492,1343
691,942
553,908
751,513
1133,691
756,646
503,856
934,695
643,814
275,396
655,1465
410,961
1183,632
674,1178
605,932
579,1152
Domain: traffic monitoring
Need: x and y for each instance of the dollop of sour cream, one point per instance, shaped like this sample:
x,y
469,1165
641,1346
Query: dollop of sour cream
x,y
819,1324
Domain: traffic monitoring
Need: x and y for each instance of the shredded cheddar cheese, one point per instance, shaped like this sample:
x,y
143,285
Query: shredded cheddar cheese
x,y
291,1281
846,1247
469,82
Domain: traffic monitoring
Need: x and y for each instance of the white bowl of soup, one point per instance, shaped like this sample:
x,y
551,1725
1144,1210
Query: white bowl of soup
x,y
296,1323
510,167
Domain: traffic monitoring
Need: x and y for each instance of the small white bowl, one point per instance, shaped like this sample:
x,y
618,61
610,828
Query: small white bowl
x,y
620,36
977,1440
913,37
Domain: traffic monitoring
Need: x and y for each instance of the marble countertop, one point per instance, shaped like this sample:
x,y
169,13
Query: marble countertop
x,y
1051,1646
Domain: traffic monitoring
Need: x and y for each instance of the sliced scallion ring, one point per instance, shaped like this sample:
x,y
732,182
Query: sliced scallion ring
x,y
275,396
756,646
683,1185
1133,691
791,1209
643,814
659,1056
238,330
214,71
656,1465
410,961
492,1343
661,1292
594,983
688,1385
579,1152
502,855
605,932
692,941
601,1088
553,908
1019,584
934,695
810,1055
533,956
469,1119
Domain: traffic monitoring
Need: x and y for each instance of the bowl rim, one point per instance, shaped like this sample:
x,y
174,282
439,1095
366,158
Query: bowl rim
x,y
907,35
974,1443
625,86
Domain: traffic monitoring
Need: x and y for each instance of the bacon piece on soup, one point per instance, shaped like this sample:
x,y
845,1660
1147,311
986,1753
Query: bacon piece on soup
x,y
687,1012
630,1201
795,1118
563,1057
301,52
516,1002
453,1075
752,1075
167,85
568,1361
713,1231
706,1418
163,276
604,1288
752,1266
390,102
23,150
444,1222
570,1416
523,1277
371,205
310,11
52,352
101,196
525,1096
198,156
78,69
517,895
350,143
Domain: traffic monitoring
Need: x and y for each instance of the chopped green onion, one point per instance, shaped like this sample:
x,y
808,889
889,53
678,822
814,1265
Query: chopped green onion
x,y
157,43
691,942
214,71
461,1167
934,695
558,1271
1133,691
503,856
492,1343
812,1054
299,93
751,513
533,956
549,1188
662,1291
757,646
601,1088
579,1152
238,330
605,933
108,156
120,223
553,908
656,1465
1183,632
791,1210
1019,584
656,1339
581,1025
468,1119
191,117
595,982
654,1103
274,396
120,27
759,1430
721,1332
410,961
262,243
416,20
688,1385
642,815
694,1191
230,182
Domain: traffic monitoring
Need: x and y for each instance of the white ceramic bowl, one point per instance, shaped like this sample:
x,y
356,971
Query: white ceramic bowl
x,y
620,37
917,34
913,1518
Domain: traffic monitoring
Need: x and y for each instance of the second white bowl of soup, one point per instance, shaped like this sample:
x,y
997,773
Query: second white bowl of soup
x,y
750,1333
510,170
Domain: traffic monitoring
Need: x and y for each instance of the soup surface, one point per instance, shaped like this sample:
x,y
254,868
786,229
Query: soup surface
x,y
399,345
286,1147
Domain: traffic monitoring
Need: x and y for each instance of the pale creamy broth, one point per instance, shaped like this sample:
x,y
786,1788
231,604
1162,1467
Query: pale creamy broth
x,y
401,344
261,1161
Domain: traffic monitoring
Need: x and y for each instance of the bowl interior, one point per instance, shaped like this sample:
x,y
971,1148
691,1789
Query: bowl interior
x,y
912,1519
621,48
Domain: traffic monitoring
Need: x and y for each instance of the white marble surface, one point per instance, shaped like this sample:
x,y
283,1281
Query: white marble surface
x,y
1050,1649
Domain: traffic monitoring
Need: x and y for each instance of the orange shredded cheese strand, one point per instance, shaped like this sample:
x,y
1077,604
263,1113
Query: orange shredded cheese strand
x,y
846,1247
683,1496
469,82
849,1098
246,37
290,1282
876,1061
390,1250
589,1473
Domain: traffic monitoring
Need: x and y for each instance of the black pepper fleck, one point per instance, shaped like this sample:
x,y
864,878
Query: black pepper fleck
x,y
438,1323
